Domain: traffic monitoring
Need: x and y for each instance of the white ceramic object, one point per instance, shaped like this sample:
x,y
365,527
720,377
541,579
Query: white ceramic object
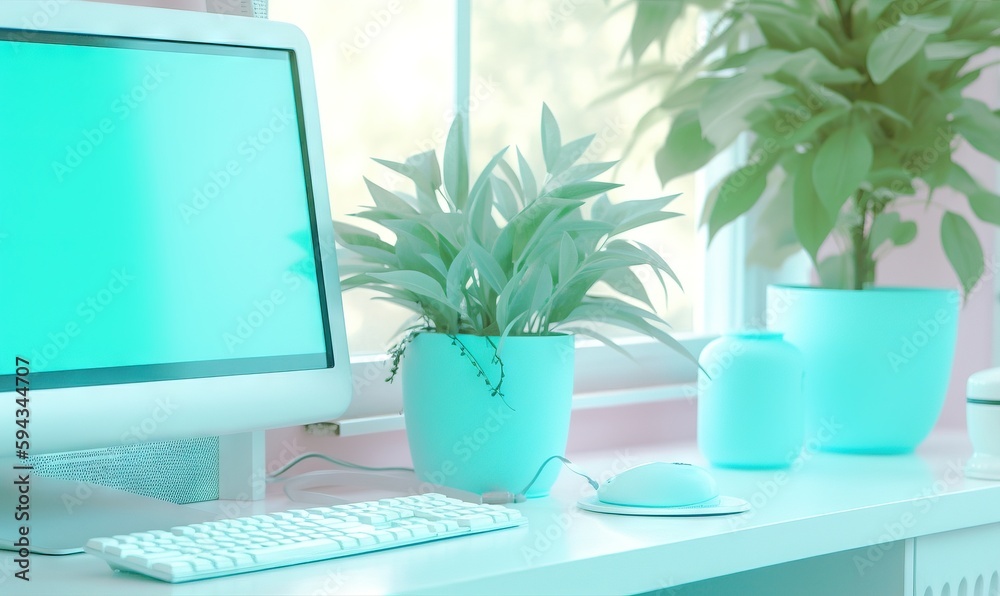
x,y
983,411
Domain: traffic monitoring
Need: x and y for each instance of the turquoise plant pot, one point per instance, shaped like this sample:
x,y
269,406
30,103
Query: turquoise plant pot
x,y
750,412
877,362
462,436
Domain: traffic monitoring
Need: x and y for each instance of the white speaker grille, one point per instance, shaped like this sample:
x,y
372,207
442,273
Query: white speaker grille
x,y
176,471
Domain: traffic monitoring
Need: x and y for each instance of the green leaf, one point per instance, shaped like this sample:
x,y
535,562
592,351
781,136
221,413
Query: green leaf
x,y
643,220
986,206
737,194
479,210
627,283
580,173
488,268
725,109
413,281
386,200
421,169
570,153
366,244
551,141
836,271
964,252
506,202
774,239
619,313
683,98
804,132
456,164
587,331
568,258
581,190
893,48
888,227
842,163
980,126
527,178
653,19
877,7
927,23
540,286
810,64
811,218
685,149
958,49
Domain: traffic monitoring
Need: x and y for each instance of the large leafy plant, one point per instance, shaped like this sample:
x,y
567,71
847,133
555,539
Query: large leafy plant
x,y
506,252
852,104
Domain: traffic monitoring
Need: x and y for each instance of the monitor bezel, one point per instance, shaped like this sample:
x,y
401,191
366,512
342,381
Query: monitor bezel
x,y
76,418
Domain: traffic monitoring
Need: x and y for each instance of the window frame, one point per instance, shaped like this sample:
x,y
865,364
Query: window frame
x,y
733,298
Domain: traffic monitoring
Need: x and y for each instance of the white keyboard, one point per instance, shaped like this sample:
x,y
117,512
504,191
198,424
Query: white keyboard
x,y
230,546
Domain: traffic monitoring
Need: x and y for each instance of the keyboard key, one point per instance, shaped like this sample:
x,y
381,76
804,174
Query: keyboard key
x,y
174,568
99,544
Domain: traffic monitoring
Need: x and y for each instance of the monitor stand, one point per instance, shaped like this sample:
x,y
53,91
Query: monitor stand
x,y
64,514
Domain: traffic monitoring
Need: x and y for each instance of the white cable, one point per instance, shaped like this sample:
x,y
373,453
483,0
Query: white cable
x,y
339,462
296,487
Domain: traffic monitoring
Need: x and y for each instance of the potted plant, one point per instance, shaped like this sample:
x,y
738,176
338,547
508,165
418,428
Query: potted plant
x,y
500,271
853,106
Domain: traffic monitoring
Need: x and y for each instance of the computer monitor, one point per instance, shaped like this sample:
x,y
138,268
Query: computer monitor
x,y
166,249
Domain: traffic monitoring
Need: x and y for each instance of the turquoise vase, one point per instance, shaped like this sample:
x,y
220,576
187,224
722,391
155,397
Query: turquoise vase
x,y
750,412
877,362
461,435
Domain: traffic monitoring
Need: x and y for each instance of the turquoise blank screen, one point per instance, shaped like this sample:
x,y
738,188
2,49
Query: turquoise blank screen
x,y
155,216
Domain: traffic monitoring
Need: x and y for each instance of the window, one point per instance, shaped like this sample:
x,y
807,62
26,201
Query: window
x,y
390,75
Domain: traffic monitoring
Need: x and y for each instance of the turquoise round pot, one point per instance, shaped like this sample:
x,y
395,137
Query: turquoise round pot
x,y
750,412
877,362
462,436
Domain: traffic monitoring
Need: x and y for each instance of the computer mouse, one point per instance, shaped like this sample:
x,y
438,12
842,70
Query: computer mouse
x,y
660,484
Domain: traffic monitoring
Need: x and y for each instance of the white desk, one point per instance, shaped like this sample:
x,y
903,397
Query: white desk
x,y
832,504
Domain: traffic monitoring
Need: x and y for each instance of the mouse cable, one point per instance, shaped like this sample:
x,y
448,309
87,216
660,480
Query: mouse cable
x,y
491,497
569,466
338,462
